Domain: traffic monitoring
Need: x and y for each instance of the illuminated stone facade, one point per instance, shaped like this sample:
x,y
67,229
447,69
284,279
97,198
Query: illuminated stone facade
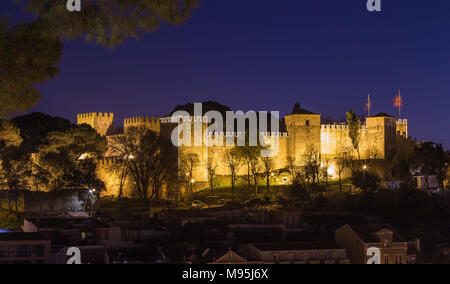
x,y
302,129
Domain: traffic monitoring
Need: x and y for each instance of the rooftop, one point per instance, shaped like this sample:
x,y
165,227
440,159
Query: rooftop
x,y
368,232
297,246
298,110
66,223
381,114
21,236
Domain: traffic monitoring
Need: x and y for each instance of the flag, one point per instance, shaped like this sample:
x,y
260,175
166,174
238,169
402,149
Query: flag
x,y
368,105
398,101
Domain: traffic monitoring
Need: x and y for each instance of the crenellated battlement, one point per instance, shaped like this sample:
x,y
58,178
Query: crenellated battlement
x,y
102,122
95,115
153,123
142,119
339,127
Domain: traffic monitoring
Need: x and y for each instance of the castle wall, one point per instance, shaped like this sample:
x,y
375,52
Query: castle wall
x,y
102,122
152,123
109,170
378,140
304,131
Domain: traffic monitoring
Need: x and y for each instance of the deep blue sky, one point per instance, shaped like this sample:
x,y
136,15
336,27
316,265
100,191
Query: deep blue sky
x,y
267,55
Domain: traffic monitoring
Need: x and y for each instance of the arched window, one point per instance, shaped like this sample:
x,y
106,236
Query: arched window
x,y
307,123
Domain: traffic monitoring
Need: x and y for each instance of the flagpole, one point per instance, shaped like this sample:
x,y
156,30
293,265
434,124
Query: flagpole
x,y
399,105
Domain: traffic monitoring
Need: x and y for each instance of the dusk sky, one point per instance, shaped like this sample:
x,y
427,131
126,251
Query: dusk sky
x,y
267,55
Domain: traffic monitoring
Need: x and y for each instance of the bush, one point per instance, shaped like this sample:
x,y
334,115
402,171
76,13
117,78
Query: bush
x,y
365,180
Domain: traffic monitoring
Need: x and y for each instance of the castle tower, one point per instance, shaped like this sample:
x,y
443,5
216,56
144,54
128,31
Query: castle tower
x,y
103,123
402,128
382,129
303,128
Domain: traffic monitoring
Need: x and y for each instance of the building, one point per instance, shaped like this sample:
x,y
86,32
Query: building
x,y
24,248
358,239
91,236
297,253
230,257
299,131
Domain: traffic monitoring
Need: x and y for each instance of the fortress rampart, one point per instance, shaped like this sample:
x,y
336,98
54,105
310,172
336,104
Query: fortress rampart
x,y
152,123
302,130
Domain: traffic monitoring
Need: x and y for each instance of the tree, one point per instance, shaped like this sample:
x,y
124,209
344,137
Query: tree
x,y
27,57
211,167
70,157
342,163
365,180
13,164
9,135
267,169
443,160
325,166
255,170
36,126
312,164
233,162
122,171
248,154
150,160
431,159
354,126
110,22
189,162
293,168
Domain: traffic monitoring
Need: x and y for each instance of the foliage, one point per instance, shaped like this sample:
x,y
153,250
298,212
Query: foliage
x,y
233,162
69,157
27,57
431,159
110,22
35,127
354,126
150,160
365,180
312,164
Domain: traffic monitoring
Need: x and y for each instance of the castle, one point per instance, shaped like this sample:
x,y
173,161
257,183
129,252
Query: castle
x,y
300,130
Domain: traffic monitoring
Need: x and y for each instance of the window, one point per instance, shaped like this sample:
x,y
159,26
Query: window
x,y
22,251
398,259
386,259
276,259
38,250
83,236
291,257
4,251
308,123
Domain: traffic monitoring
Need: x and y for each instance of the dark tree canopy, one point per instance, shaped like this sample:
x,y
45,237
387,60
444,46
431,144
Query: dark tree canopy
x,y
36,126
110,22
27,57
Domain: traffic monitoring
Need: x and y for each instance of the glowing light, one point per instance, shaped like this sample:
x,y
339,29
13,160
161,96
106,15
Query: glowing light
x,y
365,167
83,156
331,170
272,174
192,180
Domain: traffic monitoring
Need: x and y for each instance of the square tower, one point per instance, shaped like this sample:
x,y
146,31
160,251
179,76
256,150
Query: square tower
x,y
103,123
